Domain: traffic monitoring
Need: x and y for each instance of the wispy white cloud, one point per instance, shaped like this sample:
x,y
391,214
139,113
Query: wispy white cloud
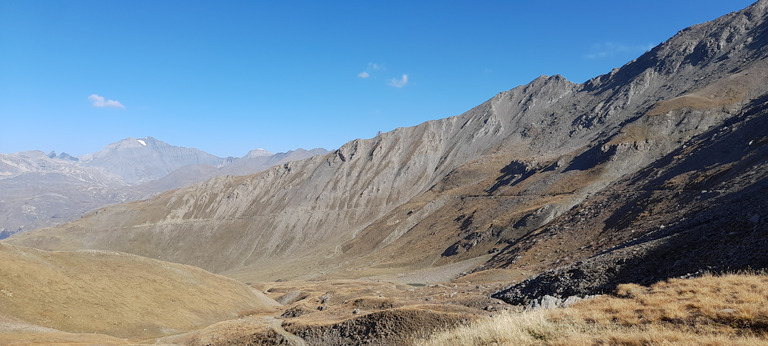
x,y
399,83
372,66
610,49
100,101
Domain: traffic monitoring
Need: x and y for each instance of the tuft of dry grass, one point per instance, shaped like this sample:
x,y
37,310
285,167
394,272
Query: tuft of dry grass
x,y
711,310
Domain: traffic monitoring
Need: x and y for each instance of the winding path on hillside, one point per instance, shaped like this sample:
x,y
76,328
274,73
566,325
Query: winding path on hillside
x,y
277,326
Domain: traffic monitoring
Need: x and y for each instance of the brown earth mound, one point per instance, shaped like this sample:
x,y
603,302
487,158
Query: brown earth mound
x,y
391,327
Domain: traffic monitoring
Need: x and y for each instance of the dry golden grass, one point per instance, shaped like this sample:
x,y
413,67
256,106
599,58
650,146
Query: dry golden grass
x,y
720,93
251,330
632,133
710,310
116,294
14,331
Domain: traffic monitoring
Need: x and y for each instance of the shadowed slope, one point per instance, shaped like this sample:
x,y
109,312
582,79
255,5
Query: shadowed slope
x,y
700,208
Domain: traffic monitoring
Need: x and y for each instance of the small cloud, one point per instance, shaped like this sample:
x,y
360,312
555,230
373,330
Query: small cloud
x,y
372,66
99,101
610,49
399,83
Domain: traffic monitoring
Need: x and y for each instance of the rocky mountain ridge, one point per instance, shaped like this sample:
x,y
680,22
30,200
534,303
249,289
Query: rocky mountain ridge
x,y
146,159
698,209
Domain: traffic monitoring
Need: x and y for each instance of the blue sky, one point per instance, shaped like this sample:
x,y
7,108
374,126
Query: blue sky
x,y
230,76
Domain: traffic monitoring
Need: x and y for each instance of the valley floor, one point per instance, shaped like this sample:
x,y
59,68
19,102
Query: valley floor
x,y
405,309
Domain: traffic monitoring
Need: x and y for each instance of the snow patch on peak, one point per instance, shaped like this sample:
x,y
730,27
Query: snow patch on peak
x,y
258,153
142,142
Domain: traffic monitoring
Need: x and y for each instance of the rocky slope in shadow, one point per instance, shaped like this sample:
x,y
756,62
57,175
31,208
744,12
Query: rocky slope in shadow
x,y
455,188
702,208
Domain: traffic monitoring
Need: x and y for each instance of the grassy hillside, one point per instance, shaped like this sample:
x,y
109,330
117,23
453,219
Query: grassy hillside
x,y
711,310
116,294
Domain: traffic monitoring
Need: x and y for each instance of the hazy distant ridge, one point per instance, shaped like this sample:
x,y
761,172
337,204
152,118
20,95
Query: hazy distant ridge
x,y
40,190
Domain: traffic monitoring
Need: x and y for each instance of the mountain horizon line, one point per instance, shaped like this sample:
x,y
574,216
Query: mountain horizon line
x,y
54,153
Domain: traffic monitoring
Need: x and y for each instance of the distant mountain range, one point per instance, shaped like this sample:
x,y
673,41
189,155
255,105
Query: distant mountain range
x,y
146,159
40,190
